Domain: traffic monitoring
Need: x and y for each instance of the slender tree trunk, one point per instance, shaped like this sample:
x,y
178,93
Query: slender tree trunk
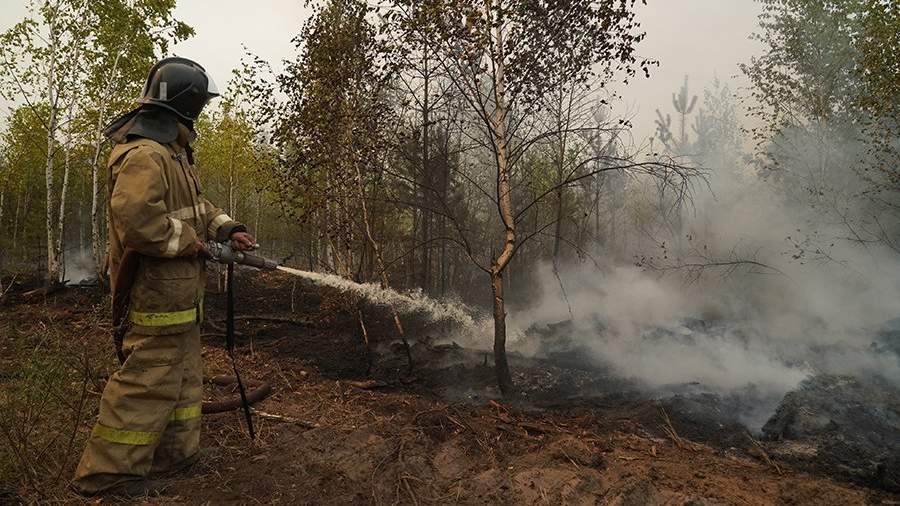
x,y
559,162
445,174
501,364
311,248
231,205
53,270
81,220
563,122
256,229
61,217
418,217
5,257
379,259
98,244
427,180
15,234
504,205
557,232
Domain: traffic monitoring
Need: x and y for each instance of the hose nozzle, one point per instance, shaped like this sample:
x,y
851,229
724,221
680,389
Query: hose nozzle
x,y
225,254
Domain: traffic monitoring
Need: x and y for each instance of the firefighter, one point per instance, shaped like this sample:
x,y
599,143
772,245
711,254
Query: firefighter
x,y
149,423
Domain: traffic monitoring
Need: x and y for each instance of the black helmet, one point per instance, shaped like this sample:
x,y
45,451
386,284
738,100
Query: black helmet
x,y
179,85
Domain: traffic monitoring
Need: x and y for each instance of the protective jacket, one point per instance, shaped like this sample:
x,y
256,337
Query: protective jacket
x,y
150,410
157,210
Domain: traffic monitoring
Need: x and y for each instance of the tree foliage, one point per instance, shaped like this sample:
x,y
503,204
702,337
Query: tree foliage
x,y
333,124
71,64
829,66
826,93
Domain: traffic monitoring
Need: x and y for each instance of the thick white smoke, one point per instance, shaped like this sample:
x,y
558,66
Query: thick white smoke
x,y
732,329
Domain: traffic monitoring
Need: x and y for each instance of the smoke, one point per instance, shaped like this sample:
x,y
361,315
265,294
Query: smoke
x,y
811,303
79,268
635,323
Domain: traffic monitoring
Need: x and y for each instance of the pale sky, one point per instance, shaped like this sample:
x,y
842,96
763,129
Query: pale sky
x,y
701,38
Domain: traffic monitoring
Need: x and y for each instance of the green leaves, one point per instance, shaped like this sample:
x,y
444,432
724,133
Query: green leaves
x,y
69,66
831,66
336,106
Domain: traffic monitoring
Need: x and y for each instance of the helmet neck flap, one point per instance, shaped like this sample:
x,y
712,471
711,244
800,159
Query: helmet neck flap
x,y
175,92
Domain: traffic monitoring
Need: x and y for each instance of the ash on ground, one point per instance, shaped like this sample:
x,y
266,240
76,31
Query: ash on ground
x,y
844,426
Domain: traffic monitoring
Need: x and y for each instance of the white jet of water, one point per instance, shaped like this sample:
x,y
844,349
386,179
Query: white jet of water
x,y
412,302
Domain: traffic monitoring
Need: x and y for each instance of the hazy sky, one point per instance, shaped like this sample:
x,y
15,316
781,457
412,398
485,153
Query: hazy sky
x,y
701,38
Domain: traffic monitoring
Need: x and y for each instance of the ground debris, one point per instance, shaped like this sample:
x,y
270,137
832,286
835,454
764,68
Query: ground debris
x,y
325,436
841,425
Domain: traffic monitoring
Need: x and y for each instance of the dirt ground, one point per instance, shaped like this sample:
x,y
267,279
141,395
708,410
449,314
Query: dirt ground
x,y
332,434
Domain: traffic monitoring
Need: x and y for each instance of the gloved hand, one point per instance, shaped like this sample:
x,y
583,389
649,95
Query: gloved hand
x,y
198,248
242,241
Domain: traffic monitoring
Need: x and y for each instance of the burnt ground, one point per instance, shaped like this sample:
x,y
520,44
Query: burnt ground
x,y
332,434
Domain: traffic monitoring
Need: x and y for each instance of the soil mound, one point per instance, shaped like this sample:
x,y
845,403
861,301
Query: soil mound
x,y
842,425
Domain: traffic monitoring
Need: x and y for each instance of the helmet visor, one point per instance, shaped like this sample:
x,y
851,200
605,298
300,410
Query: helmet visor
x,y
211,88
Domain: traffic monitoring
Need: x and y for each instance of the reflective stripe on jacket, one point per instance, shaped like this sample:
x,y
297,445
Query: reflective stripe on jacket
x,y
156,209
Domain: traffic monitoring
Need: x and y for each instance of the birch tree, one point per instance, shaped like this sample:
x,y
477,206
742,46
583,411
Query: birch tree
x,y
331,132
82,60
504,56
42,64
127,37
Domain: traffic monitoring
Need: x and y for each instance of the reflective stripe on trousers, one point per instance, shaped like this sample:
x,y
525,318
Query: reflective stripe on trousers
x,y
149,412
163,319
125,437
186,413
136,437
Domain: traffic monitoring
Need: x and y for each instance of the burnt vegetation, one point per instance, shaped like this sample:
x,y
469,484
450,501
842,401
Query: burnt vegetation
x,y
705,316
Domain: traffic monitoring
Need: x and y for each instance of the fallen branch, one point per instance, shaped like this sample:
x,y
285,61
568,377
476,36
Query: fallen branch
x,y
42,291
273,319
763,453
497,405
368,384
285,419
261,390
279,319
669,429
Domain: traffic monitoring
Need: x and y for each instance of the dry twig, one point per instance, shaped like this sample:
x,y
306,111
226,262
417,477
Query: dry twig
x,y
762,452
669,429
285,419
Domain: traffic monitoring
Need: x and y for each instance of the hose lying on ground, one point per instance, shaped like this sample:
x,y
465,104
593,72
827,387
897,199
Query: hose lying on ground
x,y
260,390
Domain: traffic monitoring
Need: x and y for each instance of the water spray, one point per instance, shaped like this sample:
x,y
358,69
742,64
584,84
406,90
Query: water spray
x,y
414,302
411,302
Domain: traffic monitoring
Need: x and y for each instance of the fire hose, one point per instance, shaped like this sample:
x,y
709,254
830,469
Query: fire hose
x,y
224,254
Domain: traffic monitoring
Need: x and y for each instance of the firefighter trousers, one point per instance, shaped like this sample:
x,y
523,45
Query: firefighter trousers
x,y
149,412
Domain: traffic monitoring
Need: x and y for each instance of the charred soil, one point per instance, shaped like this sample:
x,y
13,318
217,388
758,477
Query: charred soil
x,y
337,430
